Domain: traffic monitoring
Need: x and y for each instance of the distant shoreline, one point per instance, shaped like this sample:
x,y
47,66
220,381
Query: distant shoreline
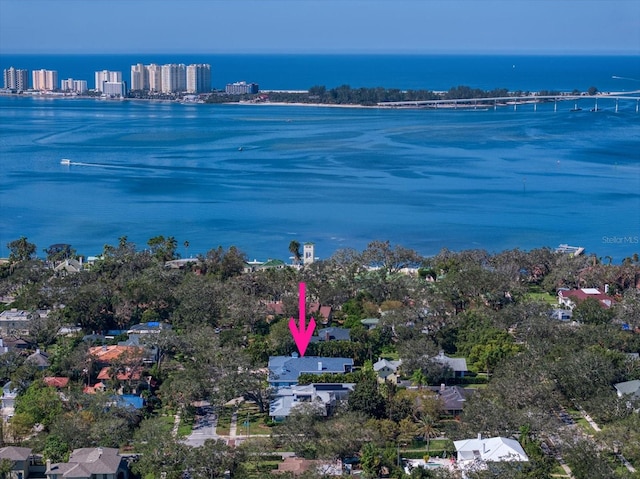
x,y
462,104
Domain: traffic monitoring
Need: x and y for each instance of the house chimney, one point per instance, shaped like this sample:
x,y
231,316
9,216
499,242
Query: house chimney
x,y
479,436
48,465
442,387
319,365
327,336
606,288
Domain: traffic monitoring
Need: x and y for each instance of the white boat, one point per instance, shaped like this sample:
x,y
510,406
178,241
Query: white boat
x,y
65,161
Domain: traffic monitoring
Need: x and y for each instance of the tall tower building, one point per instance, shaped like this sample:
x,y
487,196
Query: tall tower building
x,y
199,78
106,76
308,253
154,74
174,78
139,77
78,86
16,79
45,79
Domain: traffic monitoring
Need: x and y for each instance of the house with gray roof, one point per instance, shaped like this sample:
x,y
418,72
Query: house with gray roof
x,y
457,365
20,458
90,463
631,388
15,321
386,369
332,334
151,327
322,396
285,370
453,398
370,323
39,359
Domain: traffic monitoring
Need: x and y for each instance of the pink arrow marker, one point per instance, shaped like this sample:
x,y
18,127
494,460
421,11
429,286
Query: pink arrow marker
x,y
301,334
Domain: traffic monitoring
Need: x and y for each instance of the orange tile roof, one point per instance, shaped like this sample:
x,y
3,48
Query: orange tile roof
x,y
94,388
107,354
56,382
130,373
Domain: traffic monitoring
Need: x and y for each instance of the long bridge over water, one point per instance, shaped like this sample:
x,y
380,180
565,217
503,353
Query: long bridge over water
x,y
515,101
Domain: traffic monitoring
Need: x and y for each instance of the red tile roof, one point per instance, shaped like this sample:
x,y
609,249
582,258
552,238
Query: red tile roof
x,y
130,373
581,294
56,382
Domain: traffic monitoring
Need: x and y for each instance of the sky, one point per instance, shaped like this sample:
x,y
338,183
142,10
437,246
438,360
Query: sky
x,y
320,26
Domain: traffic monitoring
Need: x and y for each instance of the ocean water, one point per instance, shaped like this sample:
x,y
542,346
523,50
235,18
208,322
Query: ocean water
x,y
432,72
260,176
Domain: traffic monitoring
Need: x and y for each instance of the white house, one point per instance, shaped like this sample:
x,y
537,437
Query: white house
x,y
474,454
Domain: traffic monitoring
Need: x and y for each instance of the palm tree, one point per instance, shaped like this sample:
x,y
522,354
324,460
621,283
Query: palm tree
x,y
294,249
418,378
427,428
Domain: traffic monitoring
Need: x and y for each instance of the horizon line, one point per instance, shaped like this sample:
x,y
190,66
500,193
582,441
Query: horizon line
x,y
632,53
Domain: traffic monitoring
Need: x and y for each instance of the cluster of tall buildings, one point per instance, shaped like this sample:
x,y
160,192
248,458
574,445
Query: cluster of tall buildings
x,y
110,83
41,80
171,78
16,79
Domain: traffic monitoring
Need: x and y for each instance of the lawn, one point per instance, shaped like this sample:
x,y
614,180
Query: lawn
x,y
246,410
538,294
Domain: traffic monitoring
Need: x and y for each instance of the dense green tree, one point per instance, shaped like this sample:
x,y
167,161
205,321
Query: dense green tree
x,y
366,397
212,460
55,449
163,249
161,454
294,249
40,404
591,311
586,461
21,250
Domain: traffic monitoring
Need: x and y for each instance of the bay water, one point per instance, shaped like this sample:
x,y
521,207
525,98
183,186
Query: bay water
x,y
259,176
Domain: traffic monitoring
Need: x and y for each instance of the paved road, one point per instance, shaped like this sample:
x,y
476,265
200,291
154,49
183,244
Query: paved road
x,y
204,427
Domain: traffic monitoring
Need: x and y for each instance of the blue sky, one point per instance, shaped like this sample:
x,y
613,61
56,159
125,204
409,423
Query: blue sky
x,y
320,26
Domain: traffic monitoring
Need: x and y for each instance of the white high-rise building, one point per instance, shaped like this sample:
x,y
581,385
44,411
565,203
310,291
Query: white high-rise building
x,y
308,253
78,86
16,79
115,89
45,79
106,76
140,77
174,78
199,78
154,74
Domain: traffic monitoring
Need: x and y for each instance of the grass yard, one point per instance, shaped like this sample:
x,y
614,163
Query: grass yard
x,y
246,410
249,410
538,294
167,421
186,426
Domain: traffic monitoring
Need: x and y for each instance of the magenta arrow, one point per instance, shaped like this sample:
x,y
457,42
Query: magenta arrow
x,y
301,334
